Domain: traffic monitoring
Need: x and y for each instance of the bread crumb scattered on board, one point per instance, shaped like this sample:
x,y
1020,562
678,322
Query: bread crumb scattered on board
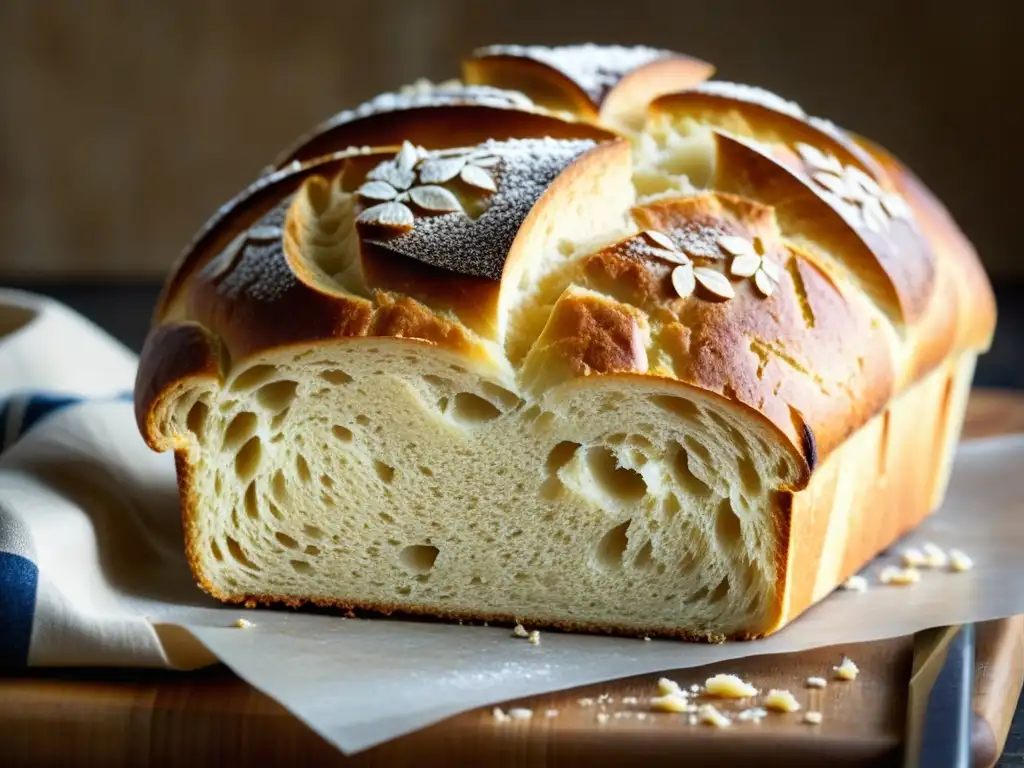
x,y
816,682
499,715
551,713
586,701
752,715
667,687
709,714
670,702
520,631
912,557
934,556
520,713
959,562
694,688
812,718
729,687
846,670
894,575
602,718
244,624
781,701
856,583
647,639
630,700
534,637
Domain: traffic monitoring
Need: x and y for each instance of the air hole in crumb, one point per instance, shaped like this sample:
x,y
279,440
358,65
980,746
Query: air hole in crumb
x,y
277,422
418,558
386,517
727,526
619,482
544,421
252,508
613,545
645,557
279,487
196,419
438,381
749,476
252,377
699,595
302,467
215,550
684,475
509,400
476,581
720,591
241,428
248,459
384,471
362,420
681,407
404,590
277,395
335,377
671,506
342,433
236,551
531,413
617,439
286,540
457,368
699,449
301,566
426,471
218,484
561,455
313,531
327,481
312,550
473,409
566,247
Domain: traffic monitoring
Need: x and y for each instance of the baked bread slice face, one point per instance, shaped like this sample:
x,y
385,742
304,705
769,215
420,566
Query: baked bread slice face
x,y
663,385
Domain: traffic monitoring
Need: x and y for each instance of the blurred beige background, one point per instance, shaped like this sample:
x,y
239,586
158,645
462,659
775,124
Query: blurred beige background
x,y
125,123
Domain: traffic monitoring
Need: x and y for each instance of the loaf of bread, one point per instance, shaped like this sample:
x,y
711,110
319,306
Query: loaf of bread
x,y
583,339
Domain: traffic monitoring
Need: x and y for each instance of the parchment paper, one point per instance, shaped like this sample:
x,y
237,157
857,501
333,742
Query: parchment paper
x,y
361,682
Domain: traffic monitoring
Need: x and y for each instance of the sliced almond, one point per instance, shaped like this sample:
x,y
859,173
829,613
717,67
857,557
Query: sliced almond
x,y
818,160
764,283
714,281
737,246
434,198
683,280
438,170
391,214
745,265
478,177
377,190
660,239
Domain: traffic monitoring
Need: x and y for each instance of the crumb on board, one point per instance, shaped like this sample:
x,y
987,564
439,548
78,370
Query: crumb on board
x,y
959,561
912,557
815,682
641,715
694,688
934,556
586,701
667,687
855,583
709,714
692,720
520,631
244,624
781,701
900,577
752,715
602,718
630,700
812,718
534,637
647,639
729,687
670,702
846,670
551,713
520,713
499,715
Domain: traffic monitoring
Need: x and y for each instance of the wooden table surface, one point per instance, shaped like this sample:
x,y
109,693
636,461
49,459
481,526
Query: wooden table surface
x,y
210,717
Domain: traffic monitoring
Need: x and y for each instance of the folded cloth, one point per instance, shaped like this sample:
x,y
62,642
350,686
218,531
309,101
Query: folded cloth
x,y
76,486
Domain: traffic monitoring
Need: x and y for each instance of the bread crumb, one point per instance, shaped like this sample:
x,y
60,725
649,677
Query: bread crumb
x,y
244,624
694,688
534,638
781,701
816,682
647,639
551,713
812,718
630,700
692,720
847,670
641,715
520,713
912,557
585,702
710,715
602,717
901,577
605,698
520,631
671,702
753,714
499,715
934,557
729,687
855,583
959,562
667,687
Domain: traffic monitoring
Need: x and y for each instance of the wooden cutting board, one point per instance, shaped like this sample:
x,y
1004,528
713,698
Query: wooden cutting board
x,y
210,717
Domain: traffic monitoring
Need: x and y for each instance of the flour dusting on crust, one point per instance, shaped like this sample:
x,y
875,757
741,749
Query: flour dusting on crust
x,y
455,242
596,69
752,94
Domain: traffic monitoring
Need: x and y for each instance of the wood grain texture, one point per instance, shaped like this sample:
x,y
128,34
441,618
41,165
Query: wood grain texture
x,y
123,124
123,718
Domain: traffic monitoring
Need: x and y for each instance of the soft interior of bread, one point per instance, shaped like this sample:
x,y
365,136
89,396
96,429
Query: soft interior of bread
x,y
387,475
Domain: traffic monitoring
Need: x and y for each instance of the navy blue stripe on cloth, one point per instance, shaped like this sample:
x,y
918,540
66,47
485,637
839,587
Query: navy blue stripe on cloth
x,y
19,579
19,413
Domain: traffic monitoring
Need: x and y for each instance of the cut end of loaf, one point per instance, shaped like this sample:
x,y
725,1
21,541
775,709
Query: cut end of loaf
x,y
317,478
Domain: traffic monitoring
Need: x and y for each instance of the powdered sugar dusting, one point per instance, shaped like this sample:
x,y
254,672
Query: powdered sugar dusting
x,y
261,271
455,242
594,68
425,94
752,94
